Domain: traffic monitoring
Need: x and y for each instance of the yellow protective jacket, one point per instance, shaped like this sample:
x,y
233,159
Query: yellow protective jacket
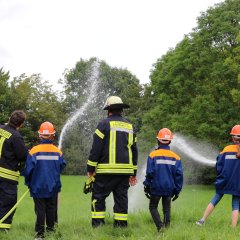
x,y
114,149
13,153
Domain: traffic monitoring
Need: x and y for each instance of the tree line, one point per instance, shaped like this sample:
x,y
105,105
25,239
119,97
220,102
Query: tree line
x,y
194,90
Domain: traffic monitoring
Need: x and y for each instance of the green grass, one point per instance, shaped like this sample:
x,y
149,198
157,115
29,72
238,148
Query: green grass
x,y
75,216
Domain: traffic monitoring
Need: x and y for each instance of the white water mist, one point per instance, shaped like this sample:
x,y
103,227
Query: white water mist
x,y
196,151
93,86
137,199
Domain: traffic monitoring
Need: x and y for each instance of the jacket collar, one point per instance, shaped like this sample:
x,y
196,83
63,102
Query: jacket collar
x,y
115,115
44,141
11,126
164,147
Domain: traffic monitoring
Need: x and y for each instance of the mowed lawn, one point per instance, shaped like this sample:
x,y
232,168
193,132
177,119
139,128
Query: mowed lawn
x,y
75,216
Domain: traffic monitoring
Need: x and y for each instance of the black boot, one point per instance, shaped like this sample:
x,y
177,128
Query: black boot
x,y
120,224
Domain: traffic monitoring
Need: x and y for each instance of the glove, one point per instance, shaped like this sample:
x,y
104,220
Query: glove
x,y
88,186
147,191
175,196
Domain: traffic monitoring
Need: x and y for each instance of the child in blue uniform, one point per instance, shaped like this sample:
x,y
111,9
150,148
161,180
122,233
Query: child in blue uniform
x,y
164,178
44,164
228,177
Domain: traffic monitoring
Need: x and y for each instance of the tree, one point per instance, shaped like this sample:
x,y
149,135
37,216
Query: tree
x,y
36,97
87,86
4,96
195,86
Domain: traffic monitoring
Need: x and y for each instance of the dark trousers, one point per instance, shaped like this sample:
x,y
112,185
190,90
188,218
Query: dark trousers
x,y
45,209
8,198
118,185
166,205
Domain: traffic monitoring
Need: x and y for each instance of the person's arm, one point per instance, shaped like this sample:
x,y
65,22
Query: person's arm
x,y
96,150
62,163
20,149
30,164
148,177
149,172
134,154
178,178
220,163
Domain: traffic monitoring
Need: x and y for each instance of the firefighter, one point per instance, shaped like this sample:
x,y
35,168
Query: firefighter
x,y
13,154
113,162
164,178
44,164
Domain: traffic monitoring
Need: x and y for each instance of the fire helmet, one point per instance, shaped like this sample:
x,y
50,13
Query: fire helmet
x,y
114,102
165,134
235,130
46,128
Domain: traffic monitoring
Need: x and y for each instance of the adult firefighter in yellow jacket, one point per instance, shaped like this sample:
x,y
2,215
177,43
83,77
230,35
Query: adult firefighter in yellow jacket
x,y
13,154
113,163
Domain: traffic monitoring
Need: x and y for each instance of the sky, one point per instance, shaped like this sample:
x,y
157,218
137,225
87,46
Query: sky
x,y
49,36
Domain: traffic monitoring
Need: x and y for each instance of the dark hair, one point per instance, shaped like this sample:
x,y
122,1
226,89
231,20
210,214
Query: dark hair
x,y
164,143
17,118
116,111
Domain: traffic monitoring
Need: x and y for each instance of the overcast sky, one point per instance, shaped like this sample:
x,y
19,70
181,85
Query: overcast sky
x,y
48,36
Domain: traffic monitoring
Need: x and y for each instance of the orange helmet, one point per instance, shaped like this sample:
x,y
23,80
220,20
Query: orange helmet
x,y
165,134
235,130
46,128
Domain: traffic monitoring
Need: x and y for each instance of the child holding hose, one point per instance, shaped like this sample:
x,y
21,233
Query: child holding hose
x,y
228,177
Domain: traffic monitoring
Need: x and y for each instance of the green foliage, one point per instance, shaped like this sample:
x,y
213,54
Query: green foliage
x,y
77,83
194,90
38,100
4,96
195,87
35,97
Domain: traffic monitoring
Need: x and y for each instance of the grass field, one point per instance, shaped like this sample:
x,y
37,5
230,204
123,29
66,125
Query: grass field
x,y
75,222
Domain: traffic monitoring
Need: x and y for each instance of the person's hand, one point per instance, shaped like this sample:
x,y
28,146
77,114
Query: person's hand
x,y
175,196
147,191
91,174
88,185
133,180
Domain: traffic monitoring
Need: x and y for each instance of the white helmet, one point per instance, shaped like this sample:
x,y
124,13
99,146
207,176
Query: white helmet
x,y
114,102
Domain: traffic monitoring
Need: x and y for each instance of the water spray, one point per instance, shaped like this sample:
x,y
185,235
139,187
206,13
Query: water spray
x,y
196,151
189,148
93,83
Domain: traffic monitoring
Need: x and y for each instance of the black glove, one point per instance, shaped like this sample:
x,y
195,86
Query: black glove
x,y
88,186
147,191
175,196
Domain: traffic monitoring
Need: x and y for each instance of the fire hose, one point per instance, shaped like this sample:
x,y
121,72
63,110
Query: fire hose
x,y
15,206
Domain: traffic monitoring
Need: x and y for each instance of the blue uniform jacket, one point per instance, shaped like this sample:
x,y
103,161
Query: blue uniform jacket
x,y
228,171
44,164
164,172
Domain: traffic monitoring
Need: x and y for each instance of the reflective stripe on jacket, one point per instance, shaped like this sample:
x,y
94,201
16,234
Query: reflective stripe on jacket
x,y
114,149
44,164
164,172
228,169
13,153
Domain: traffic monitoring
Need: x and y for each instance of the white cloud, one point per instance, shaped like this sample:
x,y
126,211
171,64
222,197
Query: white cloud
x,y
48,36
